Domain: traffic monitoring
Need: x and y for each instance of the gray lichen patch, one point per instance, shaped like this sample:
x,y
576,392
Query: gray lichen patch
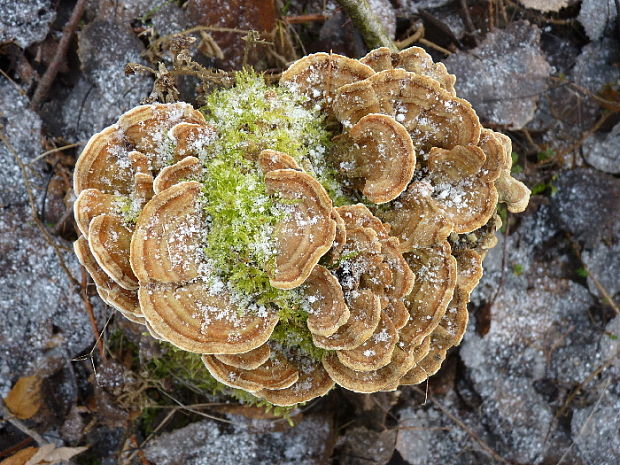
x,y
25,22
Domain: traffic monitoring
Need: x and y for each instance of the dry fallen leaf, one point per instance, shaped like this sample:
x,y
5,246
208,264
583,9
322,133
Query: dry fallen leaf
x,y
49,454
21,457
24,400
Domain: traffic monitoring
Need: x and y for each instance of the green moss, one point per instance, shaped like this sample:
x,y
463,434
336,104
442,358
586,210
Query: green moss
x,y
187,370
517,269
127,209
516,168
241,216
546,154
502,211
582,272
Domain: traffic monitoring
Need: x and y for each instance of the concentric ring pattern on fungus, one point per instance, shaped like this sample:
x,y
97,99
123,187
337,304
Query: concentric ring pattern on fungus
x,y
327,230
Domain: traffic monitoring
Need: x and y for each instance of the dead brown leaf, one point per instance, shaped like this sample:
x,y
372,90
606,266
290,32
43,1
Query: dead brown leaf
x,y
49,454
24,399
239,16
20,457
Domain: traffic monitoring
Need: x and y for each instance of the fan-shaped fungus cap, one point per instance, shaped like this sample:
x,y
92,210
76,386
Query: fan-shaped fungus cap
x,y
276,373
319,75
307,231
359,216
365,309
145,128
375,352
124,300
469,269
460,189
379,150
398,313
513,193
187,169
189,139
196,319
313,382
417,220
413,59
433,117
403,359
166,242
270,160
403,278
165,250
435,271
446,335
91,203
109,240
328,310
248,360
104,163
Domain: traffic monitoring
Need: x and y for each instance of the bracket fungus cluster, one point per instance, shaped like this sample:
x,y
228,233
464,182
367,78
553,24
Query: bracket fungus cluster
x,y
302,235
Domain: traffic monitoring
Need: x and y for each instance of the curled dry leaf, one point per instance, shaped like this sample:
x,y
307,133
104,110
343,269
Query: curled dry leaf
x,y
24,398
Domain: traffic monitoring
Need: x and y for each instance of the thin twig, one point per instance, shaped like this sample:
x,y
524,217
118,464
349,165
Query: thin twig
x,y
15,447
52,70
305,18
597,283
412,39
57,149
502,275
91,314
439,48
468,22
585,423
58,227
467,429
367,24
33,211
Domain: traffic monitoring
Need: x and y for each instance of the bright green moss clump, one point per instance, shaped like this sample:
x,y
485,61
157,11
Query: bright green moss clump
x,y
241,217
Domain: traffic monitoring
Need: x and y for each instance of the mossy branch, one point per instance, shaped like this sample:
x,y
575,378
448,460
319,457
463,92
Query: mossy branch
x,y
367,23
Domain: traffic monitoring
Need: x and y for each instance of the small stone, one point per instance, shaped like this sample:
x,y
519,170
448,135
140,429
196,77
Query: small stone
x,y
597,16
504,76
606,54
586,204
41,309
602,151
603,262
209,442
595,427
25,22
524,346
